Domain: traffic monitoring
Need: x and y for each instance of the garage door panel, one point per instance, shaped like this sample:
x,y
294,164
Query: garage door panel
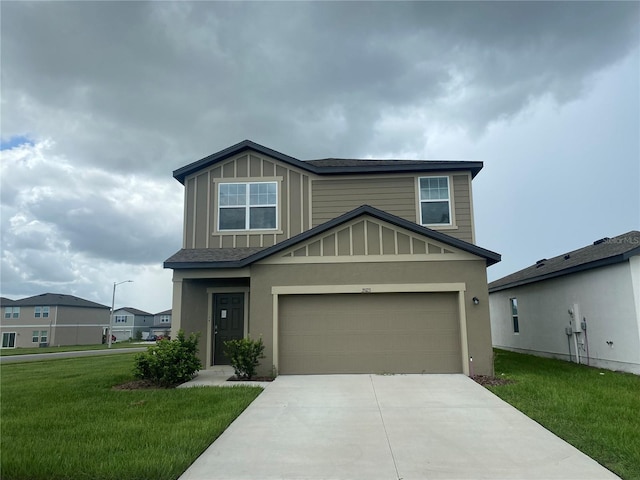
x,y
376,333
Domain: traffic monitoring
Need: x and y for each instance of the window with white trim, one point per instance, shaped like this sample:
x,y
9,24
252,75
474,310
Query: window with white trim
x,y
165,319
43,336
121,319
41,312
514,315
35,336
248,206
11,312
9,340
435,201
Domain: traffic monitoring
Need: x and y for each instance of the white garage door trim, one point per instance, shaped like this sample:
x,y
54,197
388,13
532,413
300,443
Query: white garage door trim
x,y
459,288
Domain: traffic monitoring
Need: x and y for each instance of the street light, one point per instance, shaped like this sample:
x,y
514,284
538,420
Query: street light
x,y
113,303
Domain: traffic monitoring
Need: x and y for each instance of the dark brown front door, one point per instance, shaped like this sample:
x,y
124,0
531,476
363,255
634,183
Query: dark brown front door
x,y
228,323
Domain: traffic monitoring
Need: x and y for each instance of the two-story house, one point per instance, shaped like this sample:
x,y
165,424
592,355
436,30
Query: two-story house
x,y
340,265
52,319
161,324
128,321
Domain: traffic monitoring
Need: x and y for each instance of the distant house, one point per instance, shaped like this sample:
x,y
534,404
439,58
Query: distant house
x,y
52,319
127,321
582,306
161,324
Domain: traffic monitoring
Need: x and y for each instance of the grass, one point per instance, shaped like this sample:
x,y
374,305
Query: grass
x,y
68,348
61,419
597,411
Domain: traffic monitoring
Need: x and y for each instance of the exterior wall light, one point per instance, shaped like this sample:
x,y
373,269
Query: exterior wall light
x,y
475,300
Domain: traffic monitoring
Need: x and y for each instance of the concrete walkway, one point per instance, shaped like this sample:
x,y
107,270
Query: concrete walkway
x,y
389,428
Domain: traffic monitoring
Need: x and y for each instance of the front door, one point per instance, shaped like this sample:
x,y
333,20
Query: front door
x,y
228,323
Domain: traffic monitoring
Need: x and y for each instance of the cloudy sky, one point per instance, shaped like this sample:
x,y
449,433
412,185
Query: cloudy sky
x,y
101,101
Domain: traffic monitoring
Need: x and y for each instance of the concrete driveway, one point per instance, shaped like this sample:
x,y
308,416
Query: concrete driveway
x,y
387,427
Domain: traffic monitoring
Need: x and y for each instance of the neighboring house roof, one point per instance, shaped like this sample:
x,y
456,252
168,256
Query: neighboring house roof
x,y
241,257
331,166
56,299
606,251
135,311
6,301
166,312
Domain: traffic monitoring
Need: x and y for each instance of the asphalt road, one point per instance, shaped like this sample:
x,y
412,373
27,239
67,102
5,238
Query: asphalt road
x,y
82,353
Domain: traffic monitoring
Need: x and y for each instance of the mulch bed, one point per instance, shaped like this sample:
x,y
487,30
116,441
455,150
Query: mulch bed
x,y
487,381
253,379
141,385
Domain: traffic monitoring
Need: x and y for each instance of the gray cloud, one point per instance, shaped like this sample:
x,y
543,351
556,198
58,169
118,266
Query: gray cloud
x,y
129,91
155,85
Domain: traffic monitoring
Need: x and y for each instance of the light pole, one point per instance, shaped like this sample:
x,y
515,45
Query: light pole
x,y
113,303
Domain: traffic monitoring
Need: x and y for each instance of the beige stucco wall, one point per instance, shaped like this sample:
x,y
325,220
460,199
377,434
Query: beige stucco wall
x,y
65,325
194,298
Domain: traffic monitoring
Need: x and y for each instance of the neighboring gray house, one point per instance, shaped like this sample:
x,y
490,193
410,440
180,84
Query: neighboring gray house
x,y
52,319
127,321
161,324
340,265
582,306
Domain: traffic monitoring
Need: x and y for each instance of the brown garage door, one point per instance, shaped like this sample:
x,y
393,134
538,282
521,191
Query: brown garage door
x,y
369,333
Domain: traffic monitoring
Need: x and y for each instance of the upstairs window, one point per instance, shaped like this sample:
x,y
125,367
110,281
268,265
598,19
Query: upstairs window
x,y
435,201
165,319
41,312
248,206
514,315
121,319
11,312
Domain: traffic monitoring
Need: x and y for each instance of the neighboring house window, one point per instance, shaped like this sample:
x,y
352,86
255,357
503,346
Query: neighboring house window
x,y
9,340
43,336
42,312
514,315
121,319
35,336
435,203
165,319
11,312
247,206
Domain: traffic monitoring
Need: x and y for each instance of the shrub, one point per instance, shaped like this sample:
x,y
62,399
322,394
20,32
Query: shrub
x,y
169,362
244,355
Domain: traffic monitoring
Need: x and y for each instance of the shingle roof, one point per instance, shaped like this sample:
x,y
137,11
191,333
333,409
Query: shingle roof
x,y
212,255
6,301
229,258
166,312
331,166
52,299
602,252
135,311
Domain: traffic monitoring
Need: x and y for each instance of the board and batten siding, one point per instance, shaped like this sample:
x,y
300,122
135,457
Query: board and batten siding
x,y
201,198
396,195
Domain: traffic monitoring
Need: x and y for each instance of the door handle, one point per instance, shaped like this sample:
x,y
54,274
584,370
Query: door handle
x,y
215,329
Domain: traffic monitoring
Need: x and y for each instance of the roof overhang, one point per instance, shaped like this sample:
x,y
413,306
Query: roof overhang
x,y
389,167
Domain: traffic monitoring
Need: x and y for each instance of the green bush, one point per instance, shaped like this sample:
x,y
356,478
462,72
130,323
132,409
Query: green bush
x,y
244,355
169,362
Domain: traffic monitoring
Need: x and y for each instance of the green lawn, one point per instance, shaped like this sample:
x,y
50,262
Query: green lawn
x,y
69,348
597,411
60,419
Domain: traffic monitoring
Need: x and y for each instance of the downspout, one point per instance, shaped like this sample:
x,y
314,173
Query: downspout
x,y
586,338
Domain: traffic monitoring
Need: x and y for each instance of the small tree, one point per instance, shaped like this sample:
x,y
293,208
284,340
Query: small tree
x,y
138,335
169,362
244,355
